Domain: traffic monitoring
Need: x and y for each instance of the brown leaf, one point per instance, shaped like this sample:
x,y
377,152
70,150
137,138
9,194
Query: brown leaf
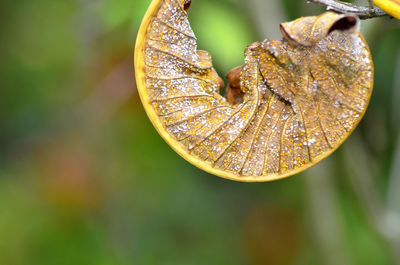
x,y
289,106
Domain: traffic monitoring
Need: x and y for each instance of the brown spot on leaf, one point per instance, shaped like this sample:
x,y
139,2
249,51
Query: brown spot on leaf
x,y
187,5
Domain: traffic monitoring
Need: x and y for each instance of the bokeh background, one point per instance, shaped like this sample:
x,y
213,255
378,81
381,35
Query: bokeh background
x,y
86,180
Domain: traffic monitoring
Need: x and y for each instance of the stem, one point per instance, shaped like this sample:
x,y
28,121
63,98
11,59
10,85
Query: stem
x,y
381,219
363,12
324,210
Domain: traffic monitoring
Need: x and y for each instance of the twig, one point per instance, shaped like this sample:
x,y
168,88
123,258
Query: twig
x,y
381,219
362,12
393,196
324,210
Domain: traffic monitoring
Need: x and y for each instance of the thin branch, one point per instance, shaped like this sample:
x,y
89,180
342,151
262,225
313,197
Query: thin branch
x,y
363,12
381,219
393,196
324,210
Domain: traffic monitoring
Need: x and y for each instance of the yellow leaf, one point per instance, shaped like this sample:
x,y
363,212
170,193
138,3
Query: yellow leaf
x,y
291,104
391,7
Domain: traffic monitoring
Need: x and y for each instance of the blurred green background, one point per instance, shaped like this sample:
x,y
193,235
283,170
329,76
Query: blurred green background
x,y
86,180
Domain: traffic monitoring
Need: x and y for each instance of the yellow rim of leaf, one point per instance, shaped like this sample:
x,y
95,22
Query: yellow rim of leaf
x,y
392,7
178,147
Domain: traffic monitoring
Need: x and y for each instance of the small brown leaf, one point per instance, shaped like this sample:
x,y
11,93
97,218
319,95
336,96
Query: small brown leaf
x,y
233,93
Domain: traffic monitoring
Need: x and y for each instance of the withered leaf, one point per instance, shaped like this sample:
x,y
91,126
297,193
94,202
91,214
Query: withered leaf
x,y
291,104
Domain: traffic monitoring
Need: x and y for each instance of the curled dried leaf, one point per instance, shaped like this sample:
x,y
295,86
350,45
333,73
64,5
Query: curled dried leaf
x,y
291,104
